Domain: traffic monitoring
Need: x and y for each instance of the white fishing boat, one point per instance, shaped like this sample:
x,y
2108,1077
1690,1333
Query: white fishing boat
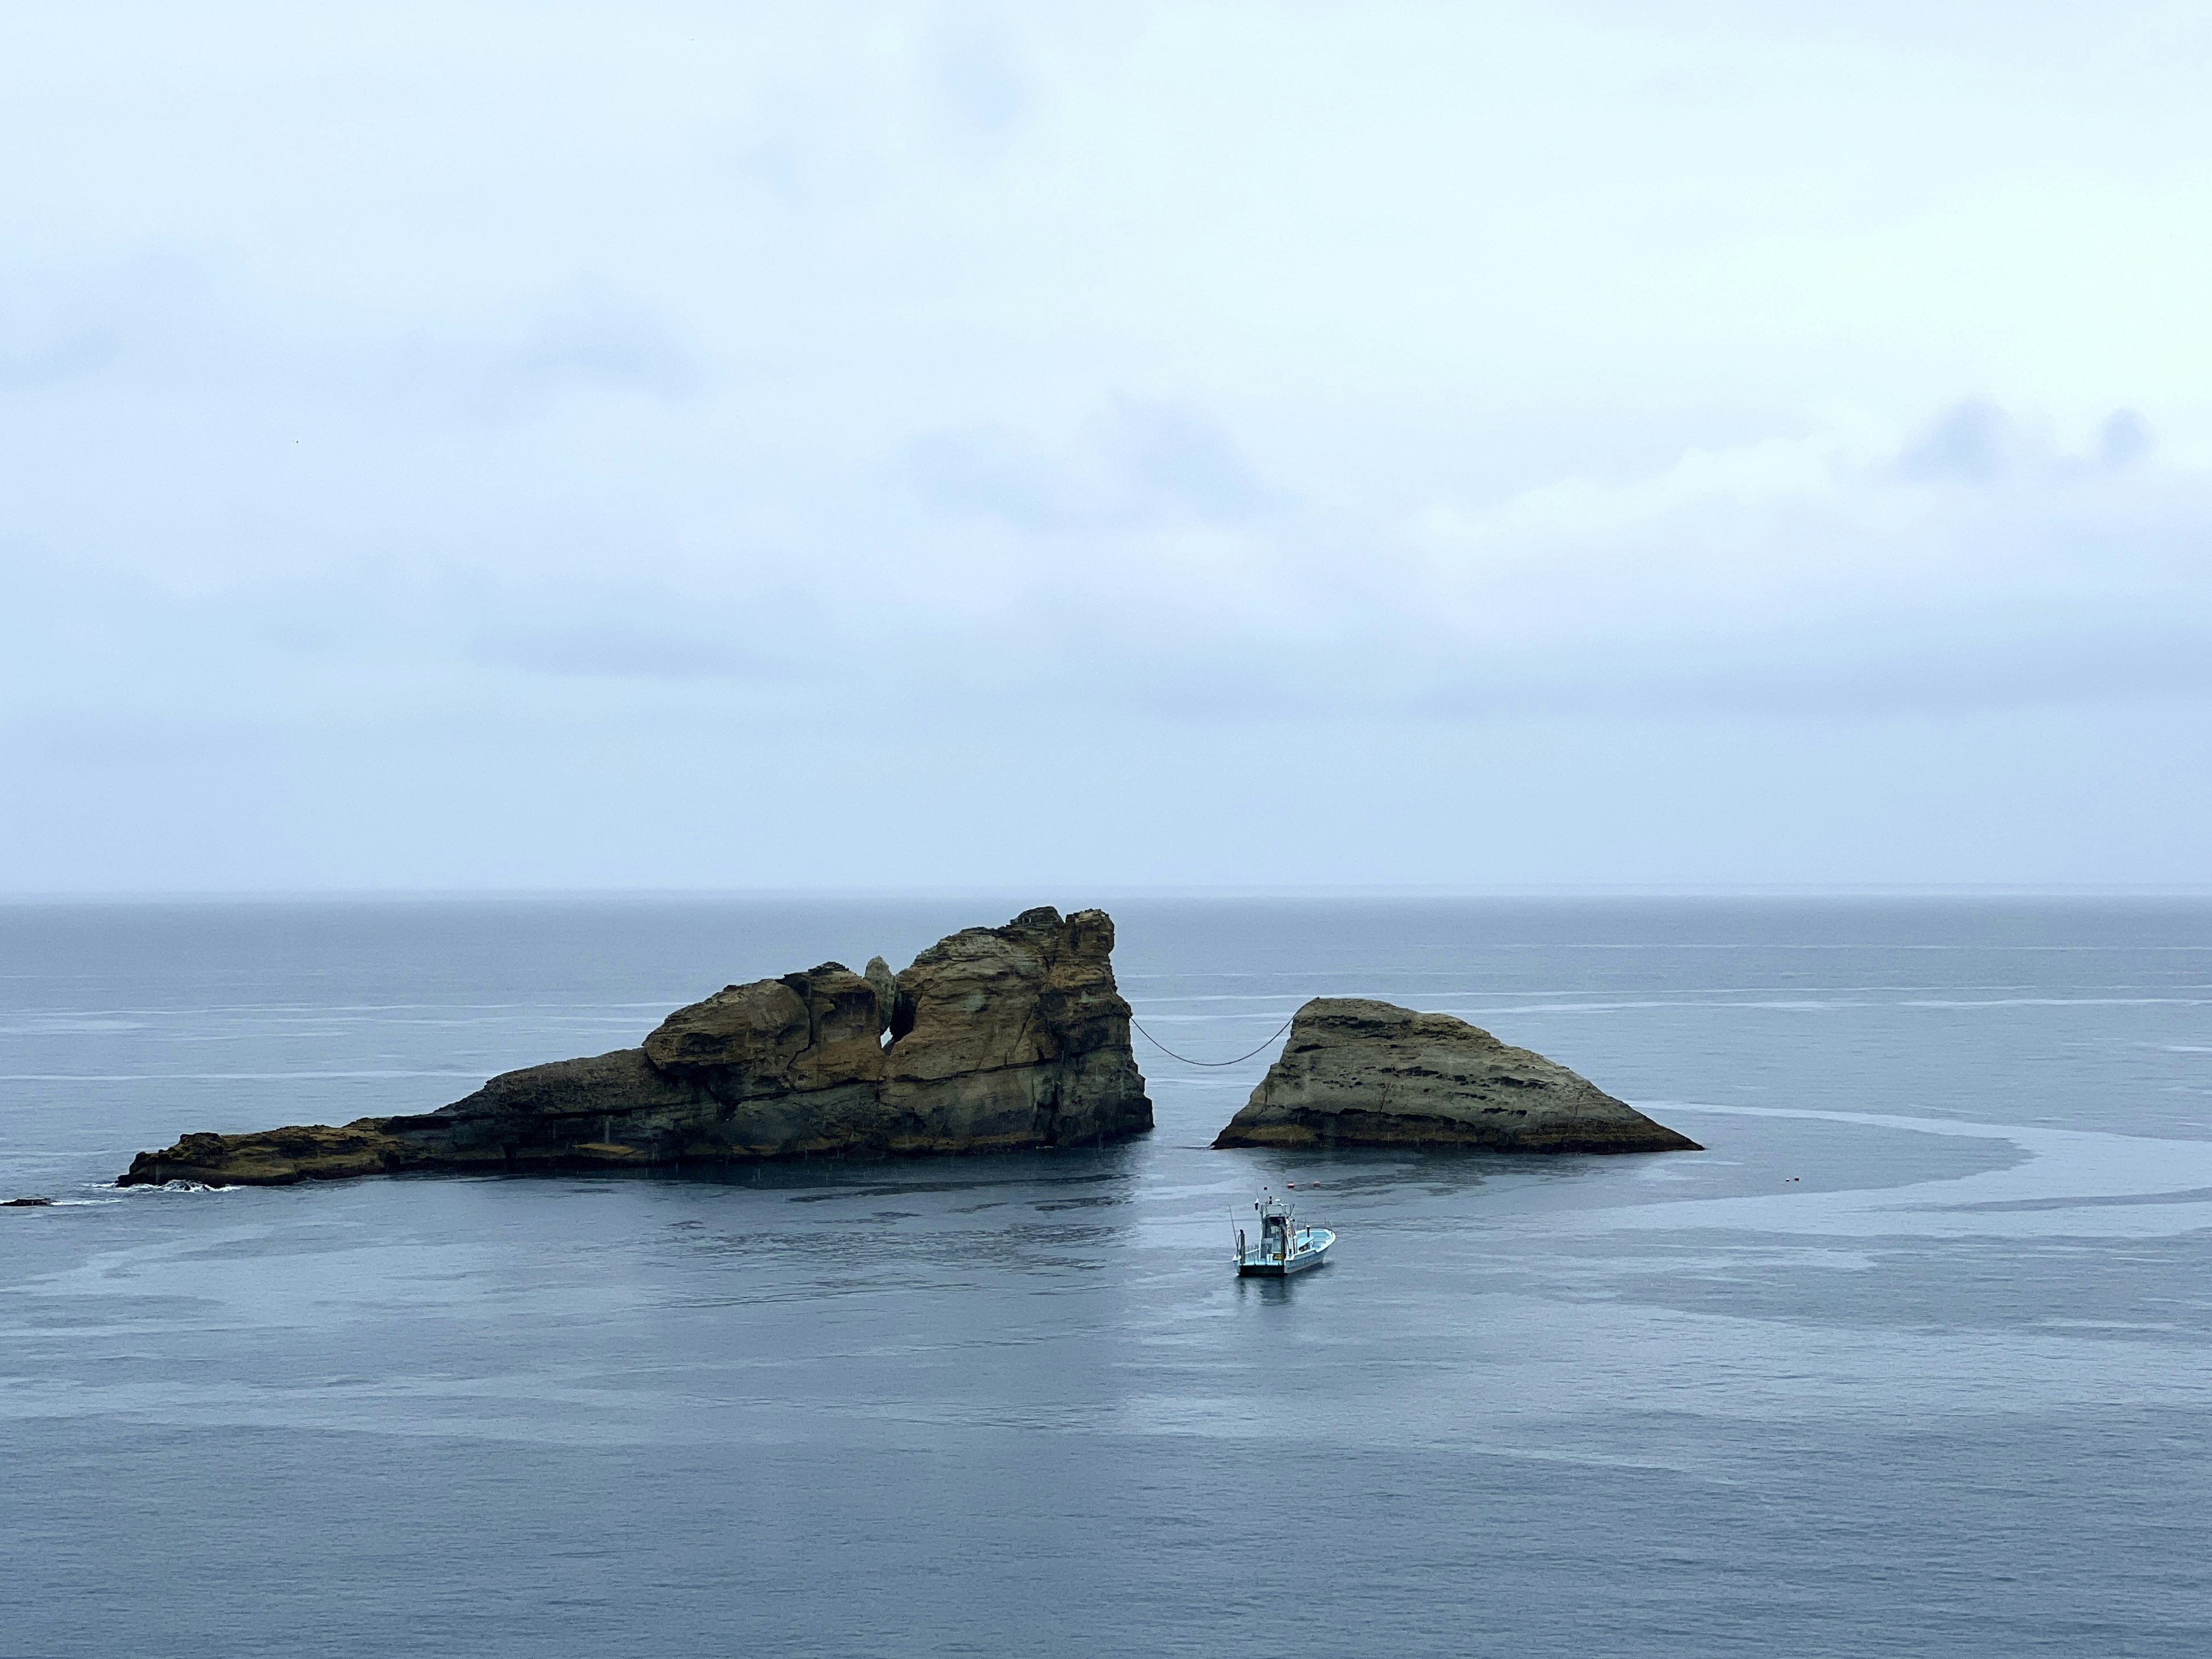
x,y
1283,1247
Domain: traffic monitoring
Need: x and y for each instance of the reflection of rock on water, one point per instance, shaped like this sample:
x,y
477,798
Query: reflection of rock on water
x,y
993,1038
1356,1073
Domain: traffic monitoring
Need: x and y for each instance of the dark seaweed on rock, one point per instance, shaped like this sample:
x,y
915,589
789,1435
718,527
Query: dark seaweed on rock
x,y
1000,1038
1354,1072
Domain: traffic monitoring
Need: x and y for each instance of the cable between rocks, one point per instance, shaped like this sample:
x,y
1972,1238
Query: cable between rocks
x,y
1187,1061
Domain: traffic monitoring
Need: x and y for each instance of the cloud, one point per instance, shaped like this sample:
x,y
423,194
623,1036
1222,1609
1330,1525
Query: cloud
x,y
621,653
2124,439
47,366
582,339
981,84
1135,463
991,472
1183,460
1170,369
1965,444
1143,565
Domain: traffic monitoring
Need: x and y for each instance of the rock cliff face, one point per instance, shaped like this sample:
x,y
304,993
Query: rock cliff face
x,y
998,1038
1358,1073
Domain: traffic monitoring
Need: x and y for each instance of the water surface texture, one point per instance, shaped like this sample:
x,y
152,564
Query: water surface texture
x,y
1912,1360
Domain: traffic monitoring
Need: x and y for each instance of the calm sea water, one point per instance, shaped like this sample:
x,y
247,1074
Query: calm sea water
x,y
1913,1360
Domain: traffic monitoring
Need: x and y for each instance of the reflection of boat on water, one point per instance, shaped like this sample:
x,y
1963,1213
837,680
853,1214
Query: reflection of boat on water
x,y
1283,1247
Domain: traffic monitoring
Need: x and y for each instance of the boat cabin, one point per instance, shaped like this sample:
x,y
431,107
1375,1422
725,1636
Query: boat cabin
x,y
1283,1247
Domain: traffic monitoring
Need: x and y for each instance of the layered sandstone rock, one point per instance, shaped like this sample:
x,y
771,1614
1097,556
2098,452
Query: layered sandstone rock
x,y
1354,1072
994,1038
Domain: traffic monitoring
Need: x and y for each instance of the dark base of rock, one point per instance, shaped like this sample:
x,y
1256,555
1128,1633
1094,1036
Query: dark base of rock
x,y
1302,1132
367,1146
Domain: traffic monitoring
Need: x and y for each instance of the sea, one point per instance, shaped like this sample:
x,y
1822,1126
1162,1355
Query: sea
x,y
1914,1358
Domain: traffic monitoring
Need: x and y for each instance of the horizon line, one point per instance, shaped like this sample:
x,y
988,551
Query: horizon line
x,y
1116,892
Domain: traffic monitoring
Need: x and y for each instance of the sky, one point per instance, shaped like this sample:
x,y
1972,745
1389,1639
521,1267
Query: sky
x,y
1102,445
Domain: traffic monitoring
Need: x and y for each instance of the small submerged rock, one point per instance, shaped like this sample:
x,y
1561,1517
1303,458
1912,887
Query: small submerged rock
x,y
25,1203
1356,1073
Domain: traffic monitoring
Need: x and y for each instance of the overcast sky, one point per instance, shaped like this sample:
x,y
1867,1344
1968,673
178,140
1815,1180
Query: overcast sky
x,y
1082,445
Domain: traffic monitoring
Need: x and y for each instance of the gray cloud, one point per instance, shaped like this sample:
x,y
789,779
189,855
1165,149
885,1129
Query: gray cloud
x,y
2049,584
992,473
621,653
1969,443
2124,439
1136,462
981,84
50,365
1183,460
1977,443
582,339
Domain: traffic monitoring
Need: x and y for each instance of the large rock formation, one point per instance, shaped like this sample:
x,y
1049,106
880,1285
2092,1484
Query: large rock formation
x,y
996,1038
1358,1073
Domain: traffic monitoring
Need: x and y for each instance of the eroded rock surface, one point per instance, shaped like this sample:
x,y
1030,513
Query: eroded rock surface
x,y
994,1038
1354,1072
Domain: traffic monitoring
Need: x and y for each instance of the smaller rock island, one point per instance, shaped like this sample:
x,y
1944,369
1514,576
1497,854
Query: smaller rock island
x,y
1355,1072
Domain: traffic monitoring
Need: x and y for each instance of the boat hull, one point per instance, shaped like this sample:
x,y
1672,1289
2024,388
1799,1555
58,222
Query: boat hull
x,y
1304,1261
